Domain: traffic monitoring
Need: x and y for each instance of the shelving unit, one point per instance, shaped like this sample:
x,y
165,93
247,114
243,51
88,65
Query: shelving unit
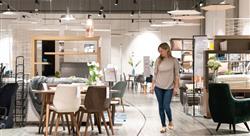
x,y
21,100
182,49
85,53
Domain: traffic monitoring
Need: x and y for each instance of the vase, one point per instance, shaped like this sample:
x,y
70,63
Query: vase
x,y
133,71
215,75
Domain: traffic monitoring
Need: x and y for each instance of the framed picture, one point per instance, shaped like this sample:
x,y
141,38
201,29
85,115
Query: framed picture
x,y
188,45
176,45
90,46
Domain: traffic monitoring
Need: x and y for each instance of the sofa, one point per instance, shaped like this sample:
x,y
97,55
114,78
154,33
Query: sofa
x,y
241,81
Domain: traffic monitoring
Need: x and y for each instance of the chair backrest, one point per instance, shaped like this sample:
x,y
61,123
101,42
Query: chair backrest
x,y
121,86
96,99
67,98
149,79
45,86
140,79
221,102
124,77
7,96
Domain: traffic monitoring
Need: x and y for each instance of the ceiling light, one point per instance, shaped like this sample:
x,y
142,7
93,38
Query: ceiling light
x,y
68,16
1,2
188,17
184,12
101,8
134,1
8,12
161,25
104,16
150,21
89,16
132,20
218,7
116,2
100,13
132,13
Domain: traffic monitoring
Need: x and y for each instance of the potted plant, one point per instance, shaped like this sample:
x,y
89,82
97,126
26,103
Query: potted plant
x,y
133,65
213,65
94,73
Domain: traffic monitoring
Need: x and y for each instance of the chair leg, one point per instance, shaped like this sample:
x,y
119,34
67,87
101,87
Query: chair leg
x,y
91,123
75,124
246,126
110,122
98,119
47,119
87,124
52,122
122,105
63,125
234,129
105,124
218,126
57,122
67,120
80,119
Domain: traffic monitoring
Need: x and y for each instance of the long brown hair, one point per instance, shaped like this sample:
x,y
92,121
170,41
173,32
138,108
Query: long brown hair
x,y
164,46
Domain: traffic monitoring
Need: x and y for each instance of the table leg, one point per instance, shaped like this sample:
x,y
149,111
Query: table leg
x,y
41,114
113,113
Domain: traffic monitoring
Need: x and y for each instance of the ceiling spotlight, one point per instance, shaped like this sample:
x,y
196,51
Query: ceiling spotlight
x,y
100,13
101,8
36,2
116,2
132,13
8,7
150,21
132,20
134,1
89,16
104,16
1,2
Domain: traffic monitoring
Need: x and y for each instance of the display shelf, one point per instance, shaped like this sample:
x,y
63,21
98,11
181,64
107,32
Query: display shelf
x,y
70,53
41,63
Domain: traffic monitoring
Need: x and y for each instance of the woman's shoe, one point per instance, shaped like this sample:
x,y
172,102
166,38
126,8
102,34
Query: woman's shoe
x,y
163,129
170,126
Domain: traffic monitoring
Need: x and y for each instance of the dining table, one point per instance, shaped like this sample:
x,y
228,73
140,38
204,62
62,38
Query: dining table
x,y
47,99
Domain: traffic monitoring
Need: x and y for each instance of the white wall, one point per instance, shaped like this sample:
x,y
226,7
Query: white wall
x,y
145,43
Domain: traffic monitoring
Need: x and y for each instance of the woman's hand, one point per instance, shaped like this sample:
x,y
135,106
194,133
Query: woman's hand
x,y
175,91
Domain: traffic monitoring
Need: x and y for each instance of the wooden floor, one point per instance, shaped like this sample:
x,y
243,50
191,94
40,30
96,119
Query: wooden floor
x,y
143,120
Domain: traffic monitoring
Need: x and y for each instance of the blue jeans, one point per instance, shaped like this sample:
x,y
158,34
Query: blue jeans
x,y
164,97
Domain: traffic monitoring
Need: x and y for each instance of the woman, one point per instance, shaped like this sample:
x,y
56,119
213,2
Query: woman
x,y
165,83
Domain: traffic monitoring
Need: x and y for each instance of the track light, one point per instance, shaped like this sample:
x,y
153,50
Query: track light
x,y
36,2
116,2
132,13
104,16
1,2
89,16
8,7
132,20
101,8
134,1
100,13
150,21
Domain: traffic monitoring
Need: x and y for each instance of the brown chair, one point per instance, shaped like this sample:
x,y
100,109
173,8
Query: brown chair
x,y
96,102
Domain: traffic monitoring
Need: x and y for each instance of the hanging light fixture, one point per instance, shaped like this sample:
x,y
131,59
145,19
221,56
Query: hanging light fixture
x,y
8,12
116,2
68,16
132,13
89,27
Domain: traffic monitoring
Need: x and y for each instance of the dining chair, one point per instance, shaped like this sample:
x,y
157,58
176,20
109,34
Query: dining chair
x,y
97,101
121,87
66,102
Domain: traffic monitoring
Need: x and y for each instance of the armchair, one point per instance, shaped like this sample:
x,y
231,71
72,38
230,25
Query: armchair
x,y
121,86
225,108
7,103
